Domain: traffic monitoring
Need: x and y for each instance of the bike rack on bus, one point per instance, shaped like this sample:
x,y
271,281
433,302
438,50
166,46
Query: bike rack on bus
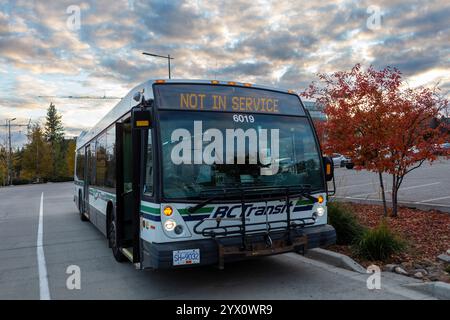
x,y
285,226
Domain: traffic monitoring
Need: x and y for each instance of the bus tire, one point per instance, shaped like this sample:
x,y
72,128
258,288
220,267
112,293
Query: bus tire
x,y
81,209
118,255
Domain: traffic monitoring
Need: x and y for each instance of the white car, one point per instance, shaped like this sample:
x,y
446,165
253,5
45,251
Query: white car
x,y
340,160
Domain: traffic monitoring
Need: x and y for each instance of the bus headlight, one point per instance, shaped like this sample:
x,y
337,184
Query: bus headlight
x,y
320,211
170,224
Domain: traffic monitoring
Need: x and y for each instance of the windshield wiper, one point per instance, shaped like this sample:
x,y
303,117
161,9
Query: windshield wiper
x,y
305,192
225,192
201,204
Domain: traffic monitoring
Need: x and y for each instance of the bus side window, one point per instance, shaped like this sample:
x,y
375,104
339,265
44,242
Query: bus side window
x,y
110,180
80,164
148,185
91,158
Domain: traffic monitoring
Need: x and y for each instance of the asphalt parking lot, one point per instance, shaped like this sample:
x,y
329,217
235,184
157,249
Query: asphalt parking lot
x,y
29,266
427,185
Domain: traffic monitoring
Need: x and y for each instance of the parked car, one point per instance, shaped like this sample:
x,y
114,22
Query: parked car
x,y
444,149
340,160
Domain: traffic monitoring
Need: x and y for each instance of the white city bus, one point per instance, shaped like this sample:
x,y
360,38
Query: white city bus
x,y
182,173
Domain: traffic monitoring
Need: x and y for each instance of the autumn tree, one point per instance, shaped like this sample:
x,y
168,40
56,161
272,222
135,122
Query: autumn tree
x,y
381,124
54,134
319,126
70,157
36,158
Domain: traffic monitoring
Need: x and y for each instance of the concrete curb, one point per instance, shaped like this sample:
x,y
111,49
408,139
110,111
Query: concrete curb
x,y
335,259
438,289
413,205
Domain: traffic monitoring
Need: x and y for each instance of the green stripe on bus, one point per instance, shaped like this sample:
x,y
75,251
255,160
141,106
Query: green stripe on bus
x,y
107,195
304,202
201,210
150,210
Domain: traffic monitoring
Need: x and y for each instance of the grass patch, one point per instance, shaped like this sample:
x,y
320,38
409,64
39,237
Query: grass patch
x,y
379,243
344,221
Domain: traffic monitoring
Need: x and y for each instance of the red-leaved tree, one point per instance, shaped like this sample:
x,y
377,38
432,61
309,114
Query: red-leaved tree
x,y
382,125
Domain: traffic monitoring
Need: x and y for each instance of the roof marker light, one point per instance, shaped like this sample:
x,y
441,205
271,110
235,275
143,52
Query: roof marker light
x,y
231,83
160,81
214,81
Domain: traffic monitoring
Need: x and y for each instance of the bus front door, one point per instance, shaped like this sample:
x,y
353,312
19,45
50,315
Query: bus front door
x,y
128,200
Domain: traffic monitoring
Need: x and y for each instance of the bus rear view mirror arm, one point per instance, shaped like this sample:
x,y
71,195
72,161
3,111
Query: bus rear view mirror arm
x,y
329,168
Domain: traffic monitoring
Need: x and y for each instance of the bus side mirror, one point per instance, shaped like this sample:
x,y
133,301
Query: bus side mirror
x,y
329,168
137,96
141,118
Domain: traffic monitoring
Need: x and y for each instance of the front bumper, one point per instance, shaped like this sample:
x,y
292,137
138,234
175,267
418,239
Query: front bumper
x,y
160,255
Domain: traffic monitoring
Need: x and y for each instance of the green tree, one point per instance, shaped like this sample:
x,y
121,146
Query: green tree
x,y
54,134
36,157
70,157
3,166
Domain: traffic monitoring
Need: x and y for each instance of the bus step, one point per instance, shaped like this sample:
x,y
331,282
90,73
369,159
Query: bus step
x,y
128,252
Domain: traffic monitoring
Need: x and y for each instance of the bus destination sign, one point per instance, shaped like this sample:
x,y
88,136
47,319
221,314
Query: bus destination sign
x,y
201,97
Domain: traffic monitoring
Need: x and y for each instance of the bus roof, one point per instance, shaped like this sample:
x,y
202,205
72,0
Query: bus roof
x,y
126,103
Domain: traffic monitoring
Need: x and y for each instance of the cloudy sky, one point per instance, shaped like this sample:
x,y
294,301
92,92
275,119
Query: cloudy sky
x,y
46,50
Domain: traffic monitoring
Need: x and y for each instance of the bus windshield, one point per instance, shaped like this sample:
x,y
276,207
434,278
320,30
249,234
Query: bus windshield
x,y
208,150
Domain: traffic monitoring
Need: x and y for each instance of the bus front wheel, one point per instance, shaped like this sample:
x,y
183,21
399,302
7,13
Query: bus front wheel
x,y
81,209
118,255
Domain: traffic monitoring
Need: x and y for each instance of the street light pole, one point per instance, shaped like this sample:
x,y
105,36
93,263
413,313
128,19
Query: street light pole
x,y
168,61
10,151
168,57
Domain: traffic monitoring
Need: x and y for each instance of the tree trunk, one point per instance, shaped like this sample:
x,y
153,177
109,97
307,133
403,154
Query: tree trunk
x,y
394,196
383,197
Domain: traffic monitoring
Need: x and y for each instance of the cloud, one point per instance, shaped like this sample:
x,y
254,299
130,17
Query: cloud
x,y
281,43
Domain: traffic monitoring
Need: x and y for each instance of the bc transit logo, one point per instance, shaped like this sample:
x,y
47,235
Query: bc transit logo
x,y
235,211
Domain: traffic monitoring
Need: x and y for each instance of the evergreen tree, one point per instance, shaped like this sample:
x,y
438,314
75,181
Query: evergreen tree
x,y
54,134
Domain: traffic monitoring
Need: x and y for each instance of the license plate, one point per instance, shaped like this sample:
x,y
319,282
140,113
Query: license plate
x,y
186,257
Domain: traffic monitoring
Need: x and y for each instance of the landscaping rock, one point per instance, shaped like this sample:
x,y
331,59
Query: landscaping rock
x,y
434,277
419,266
400,270
407,265
390,267
418,275
444,257
448,252
422,271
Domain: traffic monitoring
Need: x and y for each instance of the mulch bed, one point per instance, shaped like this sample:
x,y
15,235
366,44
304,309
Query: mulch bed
x,y
427,234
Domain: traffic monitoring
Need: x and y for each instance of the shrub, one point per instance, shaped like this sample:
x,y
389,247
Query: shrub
x,y
18,182
379,243
341,217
